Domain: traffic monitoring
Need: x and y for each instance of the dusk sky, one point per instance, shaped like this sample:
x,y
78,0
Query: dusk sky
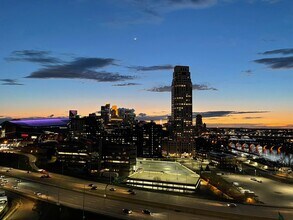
x,y
57,55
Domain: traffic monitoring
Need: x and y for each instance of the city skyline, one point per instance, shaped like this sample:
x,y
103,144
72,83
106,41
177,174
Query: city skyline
x,y
82,57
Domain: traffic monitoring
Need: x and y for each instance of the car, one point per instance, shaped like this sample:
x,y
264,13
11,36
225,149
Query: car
x,y
253,179
94,188
132,193
90,185
38,193
112,189
2,176
46,176
127,211
18,181
232,205
130,190
15,187
5,181
29,171
2,184
146,211
259,181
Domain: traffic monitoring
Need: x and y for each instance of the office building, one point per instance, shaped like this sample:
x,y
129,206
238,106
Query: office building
x,y
181,117
181,104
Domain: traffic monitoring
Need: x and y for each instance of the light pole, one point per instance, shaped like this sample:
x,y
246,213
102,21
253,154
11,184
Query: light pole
x,y
105,195
83,198
18,161
58,201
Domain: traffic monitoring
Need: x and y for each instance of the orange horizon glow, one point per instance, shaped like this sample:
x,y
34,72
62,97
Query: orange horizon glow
x,y
270,119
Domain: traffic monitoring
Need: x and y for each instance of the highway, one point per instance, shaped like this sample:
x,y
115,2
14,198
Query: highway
x,y
75,193
21,209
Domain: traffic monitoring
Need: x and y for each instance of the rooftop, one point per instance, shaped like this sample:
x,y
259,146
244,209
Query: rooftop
x,y
45,122
164,171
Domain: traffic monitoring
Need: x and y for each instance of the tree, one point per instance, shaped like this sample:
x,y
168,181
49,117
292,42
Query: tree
x,y
207,168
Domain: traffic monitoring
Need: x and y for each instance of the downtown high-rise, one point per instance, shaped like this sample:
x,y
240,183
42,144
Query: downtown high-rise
x,y
181,117
181,104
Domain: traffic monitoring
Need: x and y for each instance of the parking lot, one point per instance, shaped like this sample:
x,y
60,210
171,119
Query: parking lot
x,y
269,192
165,171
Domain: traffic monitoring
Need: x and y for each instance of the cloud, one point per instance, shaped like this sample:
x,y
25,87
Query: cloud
x,y
212,114
248,72
202,87
78,68
156,7
127,84
152,11
249,112
10,82
81,68
215,114
248,118
271,1
285,62
265,1
207,114
168,88
279,51
277,63
145,117
160,89
34,56
237,125
152,68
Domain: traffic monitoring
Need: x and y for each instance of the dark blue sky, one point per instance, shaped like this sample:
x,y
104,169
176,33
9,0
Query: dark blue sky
x,y
57,55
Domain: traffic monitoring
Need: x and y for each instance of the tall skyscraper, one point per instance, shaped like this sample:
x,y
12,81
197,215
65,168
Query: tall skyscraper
x,y
182,104
181,141
106,113
72,113
198,122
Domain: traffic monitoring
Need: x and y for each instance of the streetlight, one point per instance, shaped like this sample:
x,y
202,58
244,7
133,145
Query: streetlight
x,y
83,198
105,195
58,199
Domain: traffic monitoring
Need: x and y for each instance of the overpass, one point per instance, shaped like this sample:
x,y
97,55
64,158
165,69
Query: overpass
x,y
75,193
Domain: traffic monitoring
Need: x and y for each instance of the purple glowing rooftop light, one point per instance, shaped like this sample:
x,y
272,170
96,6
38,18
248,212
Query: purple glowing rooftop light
x,y
46,122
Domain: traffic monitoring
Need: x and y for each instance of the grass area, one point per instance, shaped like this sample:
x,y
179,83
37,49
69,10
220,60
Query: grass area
x,y
47,211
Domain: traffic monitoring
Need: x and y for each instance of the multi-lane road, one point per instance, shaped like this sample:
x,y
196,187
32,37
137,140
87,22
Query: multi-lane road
x,y
21,208
75,193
